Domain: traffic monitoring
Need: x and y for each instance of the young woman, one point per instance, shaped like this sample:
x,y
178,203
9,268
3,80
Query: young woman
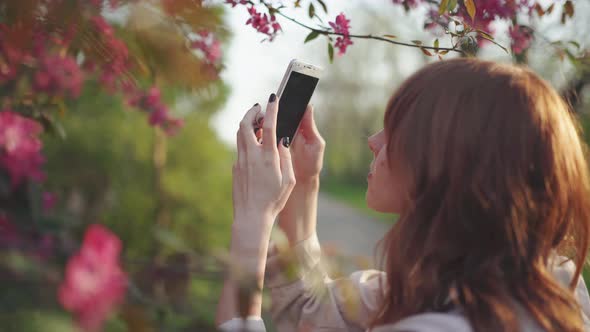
x,y
484,165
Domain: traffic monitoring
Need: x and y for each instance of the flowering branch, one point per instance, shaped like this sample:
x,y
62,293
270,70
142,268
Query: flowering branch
x,y
369,36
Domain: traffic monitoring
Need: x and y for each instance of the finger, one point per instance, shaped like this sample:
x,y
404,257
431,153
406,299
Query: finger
x,y
258,133
259,119
308,126
288,181
241,149
269,139
247,126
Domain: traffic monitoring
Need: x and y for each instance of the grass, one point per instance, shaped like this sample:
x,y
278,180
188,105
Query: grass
x,y
354,196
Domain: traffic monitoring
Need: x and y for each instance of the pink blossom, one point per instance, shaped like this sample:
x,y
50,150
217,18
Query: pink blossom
x,y
208,45
263,24
49,201
101,26
521,38
342,25
58,76
234,3
94,283
20,147
158,116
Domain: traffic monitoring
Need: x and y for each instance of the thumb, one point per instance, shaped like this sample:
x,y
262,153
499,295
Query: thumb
x,y
288,181
308,125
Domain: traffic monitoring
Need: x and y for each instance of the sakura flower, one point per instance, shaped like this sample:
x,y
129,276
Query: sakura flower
x,y
521,38
94,282
20,147
262,23
341,25
234,3
58,76
208,45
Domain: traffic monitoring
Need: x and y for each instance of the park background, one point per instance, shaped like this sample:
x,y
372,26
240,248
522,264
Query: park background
x,y
168,198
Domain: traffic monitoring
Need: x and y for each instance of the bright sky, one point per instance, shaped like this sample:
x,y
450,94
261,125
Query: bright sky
x,y
254,69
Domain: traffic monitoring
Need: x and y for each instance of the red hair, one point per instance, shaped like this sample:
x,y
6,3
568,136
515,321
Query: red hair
x,y
498,182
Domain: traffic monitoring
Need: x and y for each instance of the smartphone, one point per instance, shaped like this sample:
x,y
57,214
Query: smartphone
x,y
294,94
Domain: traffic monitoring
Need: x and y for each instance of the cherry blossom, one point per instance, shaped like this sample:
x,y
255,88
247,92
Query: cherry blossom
x,y
20,147
342,25
208,45
234,3
94,283
521,38
262,23
59,76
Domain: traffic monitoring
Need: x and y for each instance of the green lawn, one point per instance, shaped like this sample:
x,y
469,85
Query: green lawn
x,y
353,195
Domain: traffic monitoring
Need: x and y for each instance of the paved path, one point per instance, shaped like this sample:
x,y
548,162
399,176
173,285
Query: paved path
x,y
345,228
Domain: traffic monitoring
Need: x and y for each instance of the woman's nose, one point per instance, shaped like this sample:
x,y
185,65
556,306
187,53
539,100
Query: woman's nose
x,y
372,142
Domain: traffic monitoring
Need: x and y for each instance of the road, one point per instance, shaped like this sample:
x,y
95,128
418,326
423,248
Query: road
x,y
345,229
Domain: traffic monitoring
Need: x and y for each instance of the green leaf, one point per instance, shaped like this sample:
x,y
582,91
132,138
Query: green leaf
x,y
452,5
576,44
470,8
312,35
321,2
436,45
417,42
311,10
331,52
442,8
484,34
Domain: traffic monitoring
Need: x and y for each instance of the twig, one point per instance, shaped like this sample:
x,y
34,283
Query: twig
x,y
324,32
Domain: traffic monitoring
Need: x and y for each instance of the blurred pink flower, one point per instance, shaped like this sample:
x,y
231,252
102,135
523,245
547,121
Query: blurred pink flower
x,y
521,38
94,283
233,3
58,76
208,45
20,147
263,24
342,25
49,201
158,116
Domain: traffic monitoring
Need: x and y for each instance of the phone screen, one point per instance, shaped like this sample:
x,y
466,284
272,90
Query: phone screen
x,y
293,102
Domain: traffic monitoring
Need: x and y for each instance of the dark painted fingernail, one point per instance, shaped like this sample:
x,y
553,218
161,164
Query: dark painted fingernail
x,y
272,98
286,141
255,105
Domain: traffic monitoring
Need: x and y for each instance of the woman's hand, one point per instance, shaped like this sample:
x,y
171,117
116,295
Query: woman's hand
x,y
299,216
263,178
263,175
307,150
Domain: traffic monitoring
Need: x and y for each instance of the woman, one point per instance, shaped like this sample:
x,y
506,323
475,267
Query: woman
x,y
484,165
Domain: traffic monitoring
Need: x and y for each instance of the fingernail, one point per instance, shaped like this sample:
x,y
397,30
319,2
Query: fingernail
x,y
255,105
286,142
272,98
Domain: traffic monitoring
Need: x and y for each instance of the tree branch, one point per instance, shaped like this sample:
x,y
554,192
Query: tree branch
x,y
325,32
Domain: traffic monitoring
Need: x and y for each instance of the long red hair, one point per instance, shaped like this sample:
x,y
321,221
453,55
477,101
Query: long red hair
x,y
498,183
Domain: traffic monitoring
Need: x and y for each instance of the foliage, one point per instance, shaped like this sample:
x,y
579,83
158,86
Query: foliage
x,y
73,155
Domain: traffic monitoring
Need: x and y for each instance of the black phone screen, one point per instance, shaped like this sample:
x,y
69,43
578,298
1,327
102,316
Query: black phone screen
x,y
293,102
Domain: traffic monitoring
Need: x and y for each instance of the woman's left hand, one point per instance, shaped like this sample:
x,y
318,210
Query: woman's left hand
x,y
263,176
